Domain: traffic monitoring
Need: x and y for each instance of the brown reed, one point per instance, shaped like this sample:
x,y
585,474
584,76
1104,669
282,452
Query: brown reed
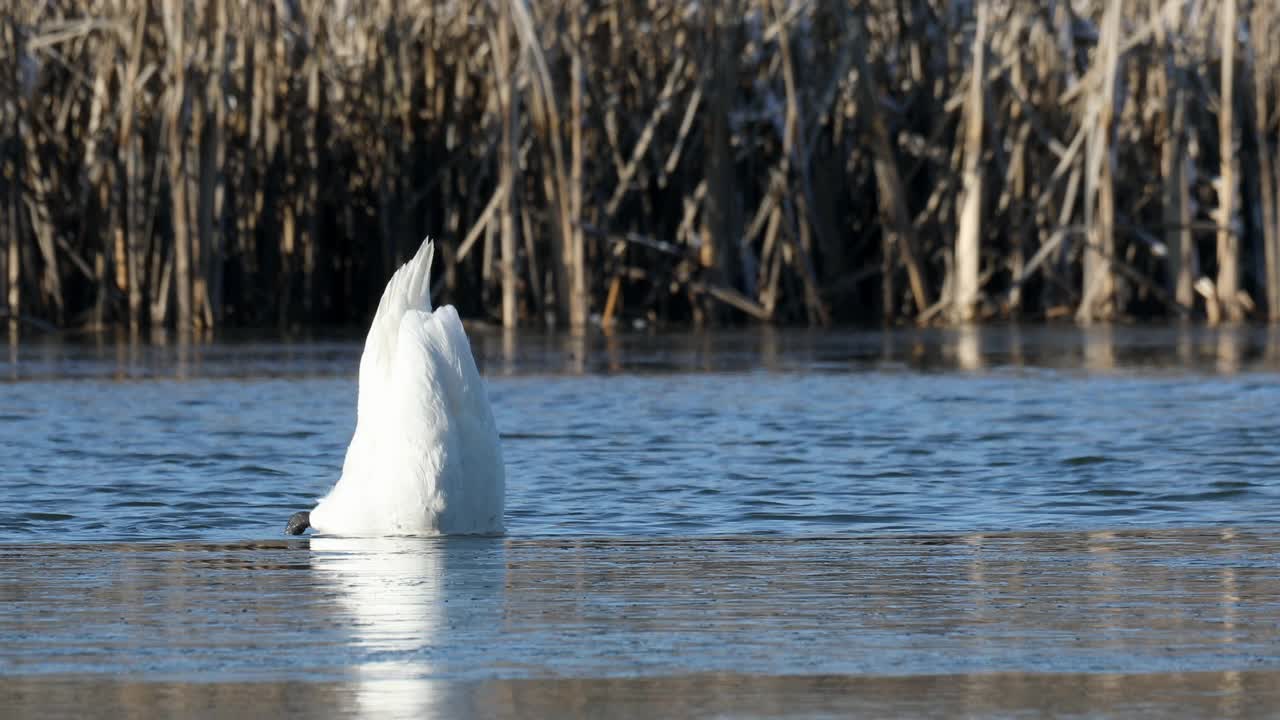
x,y
253,162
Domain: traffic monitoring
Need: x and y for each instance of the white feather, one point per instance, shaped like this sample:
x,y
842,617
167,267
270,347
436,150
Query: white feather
x,y
425,458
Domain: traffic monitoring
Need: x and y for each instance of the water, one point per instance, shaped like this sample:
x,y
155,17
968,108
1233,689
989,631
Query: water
x,y
1177,623
677,437
828,524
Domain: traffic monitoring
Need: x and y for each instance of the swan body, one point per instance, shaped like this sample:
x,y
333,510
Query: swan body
x,y
425,457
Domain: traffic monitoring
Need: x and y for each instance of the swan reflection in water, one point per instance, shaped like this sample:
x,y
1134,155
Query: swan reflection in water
x,y
415,608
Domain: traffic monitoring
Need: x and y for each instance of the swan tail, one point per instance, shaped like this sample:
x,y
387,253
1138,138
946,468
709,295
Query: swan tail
x,y
418,292
408,290
410,287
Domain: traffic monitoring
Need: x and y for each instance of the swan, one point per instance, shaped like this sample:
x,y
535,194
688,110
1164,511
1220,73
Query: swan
x,y
425,457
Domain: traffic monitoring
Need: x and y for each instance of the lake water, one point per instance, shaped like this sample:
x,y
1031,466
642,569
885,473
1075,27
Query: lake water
x,y
988,521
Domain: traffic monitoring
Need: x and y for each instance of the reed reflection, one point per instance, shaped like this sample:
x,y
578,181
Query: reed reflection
x,y
510,351
1099,348
968,348
1230,350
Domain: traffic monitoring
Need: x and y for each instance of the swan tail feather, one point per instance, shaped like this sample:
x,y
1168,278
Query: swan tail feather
x,y
418,291
410,287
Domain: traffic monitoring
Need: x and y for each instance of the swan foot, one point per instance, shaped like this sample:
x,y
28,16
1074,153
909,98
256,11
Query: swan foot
x,y
298,523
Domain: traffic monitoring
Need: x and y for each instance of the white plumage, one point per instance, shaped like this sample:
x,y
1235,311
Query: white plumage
x,y
425,458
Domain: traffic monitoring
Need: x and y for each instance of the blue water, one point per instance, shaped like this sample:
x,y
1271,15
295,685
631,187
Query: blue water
x,y
672,436
1002,522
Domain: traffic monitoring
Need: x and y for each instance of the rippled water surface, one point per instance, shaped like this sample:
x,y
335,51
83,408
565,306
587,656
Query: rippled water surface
x,y
673,436
1003,521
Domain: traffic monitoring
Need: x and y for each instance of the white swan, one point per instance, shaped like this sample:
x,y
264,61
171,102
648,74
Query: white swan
x,y
425,458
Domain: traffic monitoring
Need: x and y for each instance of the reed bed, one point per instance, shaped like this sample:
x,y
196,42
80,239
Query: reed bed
x,y
251,163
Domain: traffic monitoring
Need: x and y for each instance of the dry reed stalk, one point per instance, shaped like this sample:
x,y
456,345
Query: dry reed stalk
x,y
1175,190
578,299
1265,25
796,159
968,248
10,244
507,157
722,220
1098,300
174,12
898,233
1228,287
572,274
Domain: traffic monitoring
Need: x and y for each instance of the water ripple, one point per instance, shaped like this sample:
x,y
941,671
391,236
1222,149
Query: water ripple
x,y
801,450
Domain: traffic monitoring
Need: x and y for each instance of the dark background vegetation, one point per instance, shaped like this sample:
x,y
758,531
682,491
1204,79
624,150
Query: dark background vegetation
x,y
259,163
